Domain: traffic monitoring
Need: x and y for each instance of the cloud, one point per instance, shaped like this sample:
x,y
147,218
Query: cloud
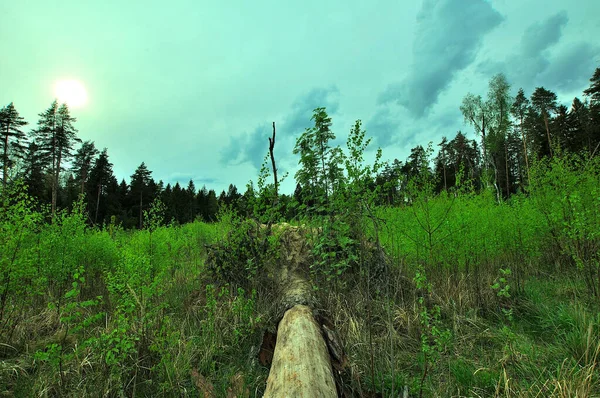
x,y
302,108
384,125
184,177
532,57
253,146
448,35
541,35
571,69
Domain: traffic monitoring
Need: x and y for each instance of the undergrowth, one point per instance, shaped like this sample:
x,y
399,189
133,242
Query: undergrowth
x,y
445,295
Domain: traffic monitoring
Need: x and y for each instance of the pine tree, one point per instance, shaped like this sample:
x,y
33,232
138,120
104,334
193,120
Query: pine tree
x,y
519,110
141,190
593,93
458,156
179,203
123,198
113,204
562,129
543,102
191,205
56,135
34,171
13,138
101,175
579,122
169,202
82,163
201,200
212,206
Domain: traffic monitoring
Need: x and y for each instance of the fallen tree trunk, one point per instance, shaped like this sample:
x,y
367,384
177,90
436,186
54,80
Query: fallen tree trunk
x,y
301,365
301,362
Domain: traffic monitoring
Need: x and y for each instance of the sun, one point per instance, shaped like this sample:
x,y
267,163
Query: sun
x,y
71,92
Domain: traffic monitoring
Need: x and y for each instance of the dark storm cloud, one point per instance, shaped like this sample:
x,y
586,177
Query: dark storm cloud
x,y
448,35
252,147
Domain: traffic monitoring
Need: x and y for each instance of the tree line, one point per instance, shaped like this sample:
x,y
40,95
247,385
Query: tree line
x,y
513,132
58,167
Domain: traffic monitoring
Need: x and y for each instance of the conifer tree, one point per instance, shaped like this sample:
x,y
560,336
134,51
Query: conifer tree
x,y
13,138
519,110
579,123
56,135
82,163
593,93
191,205
212,206
141,190
34,171
543,102
101,175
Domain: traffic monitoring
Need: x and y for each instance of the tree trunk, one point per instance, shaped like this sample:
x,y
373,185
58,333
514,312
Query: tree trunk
x,y
141,204
548,132
525,149
506,166
55,185
271,147
97,204
5,160
301,365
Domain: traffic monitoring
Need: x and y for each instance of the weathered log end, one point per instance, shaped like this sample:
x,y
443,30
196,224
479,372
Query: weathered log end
x,y
301,365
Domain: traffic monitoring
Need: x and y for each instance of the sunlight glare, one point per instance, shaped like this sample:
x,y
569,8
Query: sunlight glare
x,y
71,92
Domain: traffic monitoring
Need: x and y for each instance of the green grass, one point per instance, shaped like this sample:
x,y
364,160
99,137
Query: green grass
x,y
110,312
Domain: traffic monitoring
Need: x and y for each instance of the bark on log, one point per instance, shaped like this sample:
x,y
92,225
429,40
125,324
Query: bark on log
x,y
301,365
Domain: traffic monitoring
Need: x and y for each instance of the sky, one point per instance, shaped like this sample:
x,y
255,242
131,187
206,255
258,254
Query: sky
x,y
192,87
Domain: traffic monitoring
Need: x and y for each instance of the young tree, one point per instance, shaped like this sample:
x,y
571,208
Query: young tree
x,y
320,169
13,138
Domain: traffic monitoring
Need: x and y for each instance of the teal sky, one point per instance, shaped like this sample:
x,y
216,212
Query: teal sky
x,y
191,87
